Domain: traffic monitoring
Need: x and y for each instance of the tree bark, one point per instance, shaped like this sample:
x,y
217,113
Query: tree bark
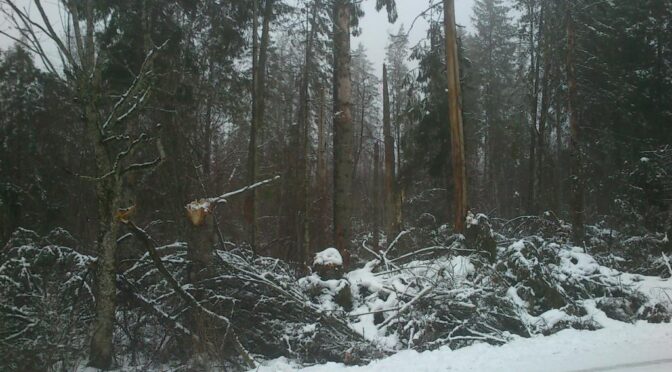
x,y
541,140
343,129
200,255
107,194
532,197
375,197
322,178
259,58
576,197
390,168
303,174
455,114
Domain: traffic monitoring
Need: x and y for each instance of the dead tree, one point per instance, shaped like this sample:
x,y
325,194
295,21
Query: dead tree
x,y
455,114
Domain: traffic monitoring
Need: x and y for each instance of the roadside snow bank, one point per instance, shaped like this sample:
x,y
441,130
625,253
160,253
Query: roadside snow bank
x,y
620,346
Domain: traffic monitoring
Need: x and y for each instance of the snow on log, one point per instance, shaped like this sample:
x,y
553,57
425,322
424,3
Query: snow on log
x,y
328,264
329,256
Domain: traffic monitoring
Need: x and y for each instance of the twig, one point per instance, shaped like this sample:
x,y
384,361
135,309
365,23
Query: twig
x,y
389,248
384,253
406,306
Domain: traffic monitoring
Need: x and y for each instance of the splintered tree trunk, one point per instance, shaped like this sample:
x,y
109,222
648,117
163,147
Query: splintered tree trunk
x,y
259,57
200,255
455,114
390,203
343,129
576,197
375,197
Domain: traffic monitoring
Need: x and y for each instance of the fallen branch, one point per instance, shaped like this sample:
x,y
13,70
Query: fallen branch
x,y
222,198
384,253
667,263
151,249
406,306
150,306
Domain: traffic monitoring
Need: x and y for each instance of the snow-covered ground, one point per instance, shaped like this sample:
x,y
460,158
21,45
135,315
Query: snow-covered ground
x,y
618,347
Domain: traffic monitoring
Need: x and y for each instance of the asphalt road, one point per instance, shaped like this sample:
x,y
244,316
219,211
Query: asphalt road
x,y
662,365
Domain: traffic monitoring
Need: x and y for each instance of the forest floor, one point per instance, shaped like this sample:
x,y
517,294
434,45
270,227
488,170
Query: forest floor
x,y
618,346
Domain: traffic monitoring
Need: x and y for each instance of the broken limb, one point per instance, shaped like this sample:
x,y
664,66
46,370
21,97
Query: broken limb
x,y
149,244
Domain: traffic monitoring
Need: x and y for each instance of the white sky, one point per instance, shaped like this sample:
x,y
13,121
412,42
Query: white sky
x,y
374,25
376,28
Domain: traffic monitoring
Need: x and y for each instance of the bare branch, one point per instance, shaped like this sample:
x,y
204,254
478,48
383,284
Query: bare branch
x,y
52,34
28,33
222,198
149,244
406,306
138,84
142,166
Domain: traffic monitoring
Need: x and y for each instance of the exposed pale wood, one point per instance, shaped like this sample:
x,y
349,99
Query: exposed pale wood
x,y
455,114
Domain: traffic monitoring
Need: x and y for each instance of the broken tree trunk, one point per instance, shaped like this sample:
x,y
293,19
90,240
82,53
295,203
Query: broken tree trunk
x,y
203,312
455,114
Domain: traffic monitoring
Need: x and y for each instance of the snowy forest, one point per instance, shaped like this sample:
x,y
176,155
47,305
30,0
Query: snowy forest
x,y
228,185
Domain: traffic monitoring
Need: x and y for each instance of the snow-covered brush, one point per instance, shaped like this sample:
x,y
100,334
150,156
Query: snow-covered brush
x,y
452,295
46,302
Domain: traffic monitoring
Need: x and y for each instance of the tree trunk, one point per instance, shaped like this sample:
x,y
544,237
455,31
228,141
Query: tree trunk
x,y
303,174
322,178
390,172
106,267
543,196
455,114
108,192
558,199
541,150
343,130
375,197
576,197
532,197
200,254
259,57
